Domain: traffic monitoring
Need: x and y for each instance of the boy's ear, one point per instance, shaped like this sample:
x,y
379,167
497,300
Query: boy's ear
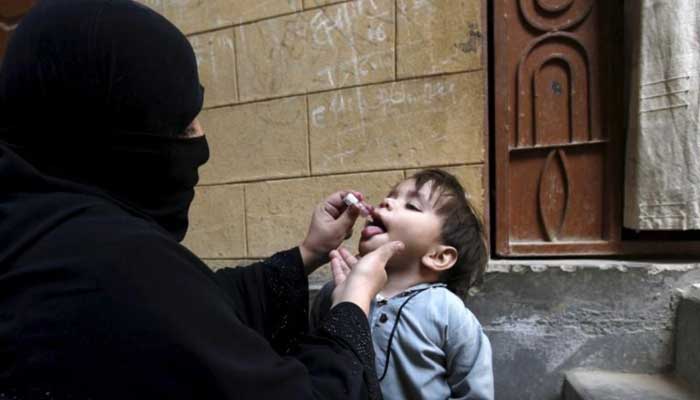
x,y
440,258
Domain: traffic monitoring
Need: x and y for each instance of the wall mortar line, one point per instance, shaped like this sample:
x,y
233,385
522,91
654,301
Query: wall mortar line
x,y
396,40
343,173
308,136
290,95
235,66
245,221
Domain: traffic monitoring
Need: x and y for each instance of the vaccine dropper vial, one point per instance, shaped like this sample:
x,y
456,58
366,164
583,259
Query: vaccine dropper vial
x,y
351,200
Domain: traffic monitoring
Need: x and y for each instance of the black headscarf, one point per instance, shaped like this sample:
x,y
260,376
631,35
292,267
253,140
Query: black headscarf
x,y
96,95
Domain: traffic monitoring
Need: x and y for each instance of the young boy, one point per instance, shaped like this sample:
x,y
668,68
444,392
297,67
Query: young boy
x,y
428,345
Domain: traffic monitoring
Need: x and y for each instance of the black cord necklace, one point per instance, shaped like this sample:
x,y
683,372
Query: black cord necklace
x,y
393,330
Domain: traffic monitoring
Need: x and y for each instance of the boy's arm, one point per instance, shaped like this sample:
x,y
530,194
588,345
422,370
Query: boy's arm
x,y
469,365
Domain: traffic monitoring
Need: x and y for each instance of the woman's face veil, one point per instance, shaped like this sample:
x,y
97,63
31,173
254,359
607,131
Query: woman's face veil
x,y
98,92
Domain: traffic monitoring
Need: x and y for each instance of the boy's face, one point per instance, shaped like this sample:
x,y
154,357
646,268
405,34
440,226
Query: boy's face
x,y
407,215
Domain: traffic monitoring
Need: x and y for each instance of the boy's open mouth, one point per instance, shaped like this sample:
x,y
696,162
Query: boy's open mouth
x,y
373,228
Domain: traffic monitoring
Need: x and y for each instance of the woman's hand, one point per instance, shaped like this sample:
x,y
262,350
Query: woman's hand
x,y
331,223
342,262
358,281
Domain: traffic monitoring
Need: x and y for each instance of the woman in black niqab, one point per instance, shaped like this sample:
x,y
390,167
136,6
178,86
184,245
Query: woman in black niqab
x,y
99,92
97,297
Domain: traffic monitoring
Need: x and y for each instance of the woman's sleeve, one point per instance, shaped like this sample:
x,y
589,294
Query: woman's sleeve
x,y
200,330
271,297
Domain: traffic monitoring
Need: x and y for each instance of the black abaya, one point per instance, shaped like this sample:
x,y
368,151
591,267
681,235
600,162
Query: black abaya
x,y
97,297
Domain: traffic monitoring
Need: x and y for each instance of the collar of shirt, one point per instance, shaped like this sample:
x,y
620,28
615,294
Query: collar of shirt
x,y
382,299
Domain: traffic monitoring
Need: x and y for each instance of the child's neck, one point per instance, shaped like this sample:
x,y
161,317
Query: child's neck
x,y
399,281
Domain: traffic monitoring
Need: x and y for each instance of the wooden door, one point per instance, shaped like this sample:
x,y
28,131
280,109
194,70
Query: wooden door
x,y
556,130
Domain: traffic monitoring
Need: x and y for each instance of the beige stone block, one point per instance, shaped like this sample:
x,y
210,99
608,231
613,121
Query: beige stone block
x,y
352,44
256,141
279,212
430,121
216,60
472,179
438,36
201,15
271,57
336,46
217,222
156,5
252,10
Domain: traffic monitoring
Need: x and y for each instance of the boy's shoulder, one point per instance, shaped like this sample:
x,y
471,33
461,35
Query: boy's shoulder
x,y
442,297
446,295
452,310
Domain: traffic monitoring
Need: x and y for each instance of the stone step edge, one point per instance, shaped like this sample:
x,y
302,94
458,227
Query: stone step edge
x,y
585,384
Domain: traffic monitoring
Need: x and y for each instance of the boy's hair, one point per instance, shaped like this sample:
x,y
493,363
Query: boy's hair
x,y
461,229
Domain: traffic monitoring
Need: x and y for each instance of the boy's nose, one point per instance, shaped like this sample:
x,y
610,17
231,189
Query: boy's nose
x,y
387,203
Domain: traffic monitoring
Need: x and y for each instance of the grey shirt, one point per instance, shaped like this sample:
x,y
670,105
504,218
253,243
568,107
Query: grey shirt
x,y
438,351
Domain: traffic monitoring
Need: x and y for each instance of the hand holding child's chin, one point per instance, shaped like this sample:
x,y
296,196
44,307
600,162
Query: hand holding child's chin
x,y
358,281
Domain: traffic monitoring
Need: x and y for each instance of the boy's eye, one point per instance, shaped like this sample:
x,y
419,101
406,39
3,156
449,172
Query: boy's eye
x,y
412,207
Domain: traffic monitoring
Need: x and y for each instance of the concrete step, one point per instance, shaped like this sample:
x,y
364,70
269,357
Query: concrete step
x,y
605,385
687,363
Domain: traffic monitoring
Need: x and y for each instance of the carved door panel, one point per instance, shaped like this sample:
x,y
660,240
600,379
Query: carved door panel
x,y
11,12
556,146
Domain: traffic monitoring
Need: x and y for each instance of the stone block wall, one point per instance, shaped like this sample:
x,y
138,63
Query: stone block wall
x,y
304,97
